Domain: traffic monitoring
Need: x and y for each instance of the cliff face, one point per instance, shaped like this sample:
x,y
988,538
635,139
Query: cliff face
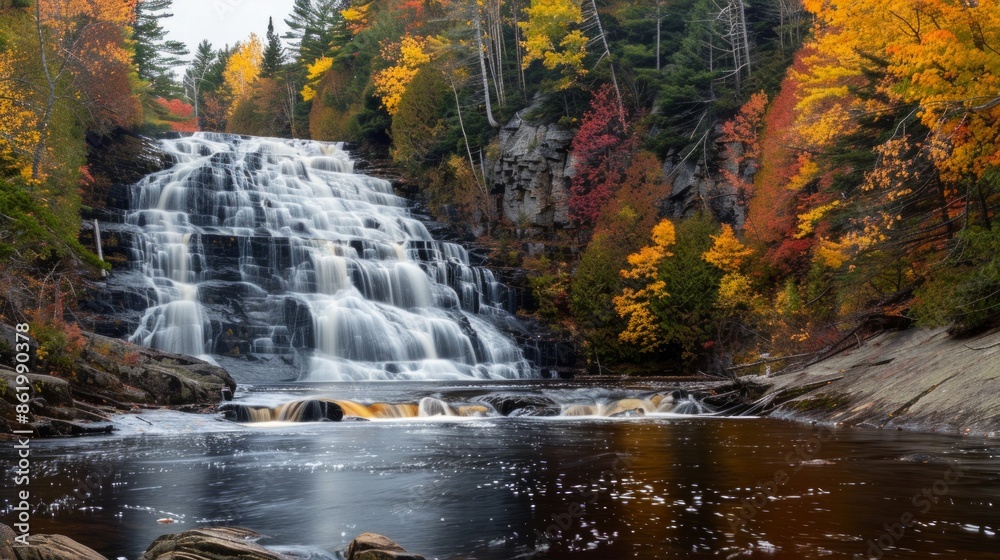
x,y
706,184
533,172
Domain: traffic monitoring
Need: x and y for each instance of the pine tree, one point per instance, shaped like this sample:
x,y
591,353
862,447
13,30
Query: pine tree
x,y
197,77
155,55
274,55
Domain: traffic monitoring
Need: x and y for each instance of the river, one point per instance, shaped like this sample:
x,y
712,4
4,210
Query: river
x,y
325,296
659,486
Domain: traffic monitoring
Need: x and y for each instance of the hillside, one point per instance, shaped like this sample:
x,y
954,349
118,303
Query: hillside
x,y
688,185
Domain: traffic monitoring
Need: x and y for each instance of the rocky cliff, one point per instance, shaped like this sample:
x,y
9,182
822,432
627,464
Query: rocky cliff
x,y
534,170
705,183
533,174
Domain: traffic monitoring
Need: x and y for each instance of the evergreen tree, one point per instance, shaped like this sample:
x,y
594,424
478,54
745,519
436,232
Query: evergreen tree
x,y
274,55
155,55
197,78
312,26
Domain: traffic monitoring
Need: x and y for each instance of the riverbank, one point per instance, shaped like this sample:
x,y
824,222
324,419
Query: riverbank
x,y
110,377
915,380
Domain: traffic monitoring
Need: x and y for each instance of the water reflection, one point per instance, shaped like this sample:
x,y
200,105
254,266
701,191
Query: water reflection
x,y
501,488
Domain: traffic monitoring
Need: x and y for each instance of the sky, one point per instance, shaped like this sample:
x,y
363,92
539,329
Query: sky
x,y
223,22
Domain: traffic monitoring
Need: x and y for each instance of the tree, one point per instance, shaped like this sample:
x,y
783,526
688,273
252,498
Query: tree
x,y
601,152
406,57
636,304
243,67
553,36
196,77
312,26
155,56
83,40
671,303
274,54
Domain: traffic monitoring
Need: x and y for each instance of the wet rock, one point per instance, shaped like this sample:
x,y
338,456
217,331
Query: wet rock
x,y
535,411
923,458
160,377
7,536
216,543
372,546
917,379
44,547
630,413
506,403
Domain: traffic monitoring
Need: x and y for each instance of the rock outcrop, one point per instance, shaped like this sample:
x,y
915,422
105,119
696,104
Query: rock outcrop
x,y
372,546
916,379
696,186
44,547
110,376
215,543
533,173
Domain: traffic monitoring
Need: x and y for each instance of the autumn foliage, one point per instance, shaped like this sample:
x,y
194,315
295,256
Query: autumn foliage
x,y
601,150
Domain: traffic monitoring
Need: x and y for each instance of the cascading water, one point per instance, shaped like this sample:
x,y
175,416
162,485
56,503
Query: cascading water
x,y
258,245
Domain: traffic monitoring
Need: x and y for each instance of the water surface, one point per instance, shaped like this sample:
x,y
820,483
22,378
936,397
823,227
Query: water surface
x,y
501,488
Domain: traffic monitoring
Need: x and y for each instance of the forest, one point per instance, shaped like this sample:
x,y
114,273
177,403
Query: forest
x,y
857,139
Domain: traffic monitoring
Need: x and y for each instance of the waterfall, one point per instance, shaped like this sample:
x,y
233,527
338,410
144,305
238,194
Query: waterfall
x,y
268,246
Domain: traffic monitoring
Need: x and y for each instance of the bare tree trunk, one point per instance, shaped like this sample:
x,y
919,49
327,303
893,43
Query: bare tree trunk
x,y
517,50
744,34
659,25
611,65
472,164
482,68
50,103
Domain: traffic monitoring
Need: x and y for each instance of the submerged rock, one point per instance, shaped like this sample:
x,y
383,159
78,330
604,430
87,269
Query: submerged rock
x,y
372,546
216,543
507,403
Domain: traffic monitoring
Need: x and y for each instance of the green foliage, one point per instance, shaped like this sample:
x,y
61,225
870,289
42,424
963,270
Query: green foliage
x,y
155,56
687,318
595,282
550,288
34,235
274,54
964,291
420,126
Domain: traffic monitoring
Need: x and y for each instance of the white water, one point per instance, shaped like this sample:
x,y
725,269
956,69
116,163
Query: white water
x,y
301,231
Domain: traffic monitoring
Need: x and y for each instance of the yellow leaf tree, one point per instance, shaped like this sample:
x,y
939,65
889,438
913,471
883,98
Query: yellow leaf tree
x,y
243,68
635,304
553,36
407,57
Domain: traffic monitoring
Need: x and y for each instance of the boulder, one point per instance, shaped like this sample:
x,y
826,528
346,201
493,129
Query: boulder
x,y
216,543
507,403
160,377
372,546
44,547
7,541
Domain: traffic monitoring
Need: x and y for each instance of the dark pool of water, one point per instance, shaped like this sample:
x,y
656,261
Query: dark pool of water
x,y
502,488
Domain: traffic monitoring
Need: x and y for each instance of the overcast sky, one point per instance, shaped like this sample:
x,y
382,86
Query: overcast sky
x,y
224,22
